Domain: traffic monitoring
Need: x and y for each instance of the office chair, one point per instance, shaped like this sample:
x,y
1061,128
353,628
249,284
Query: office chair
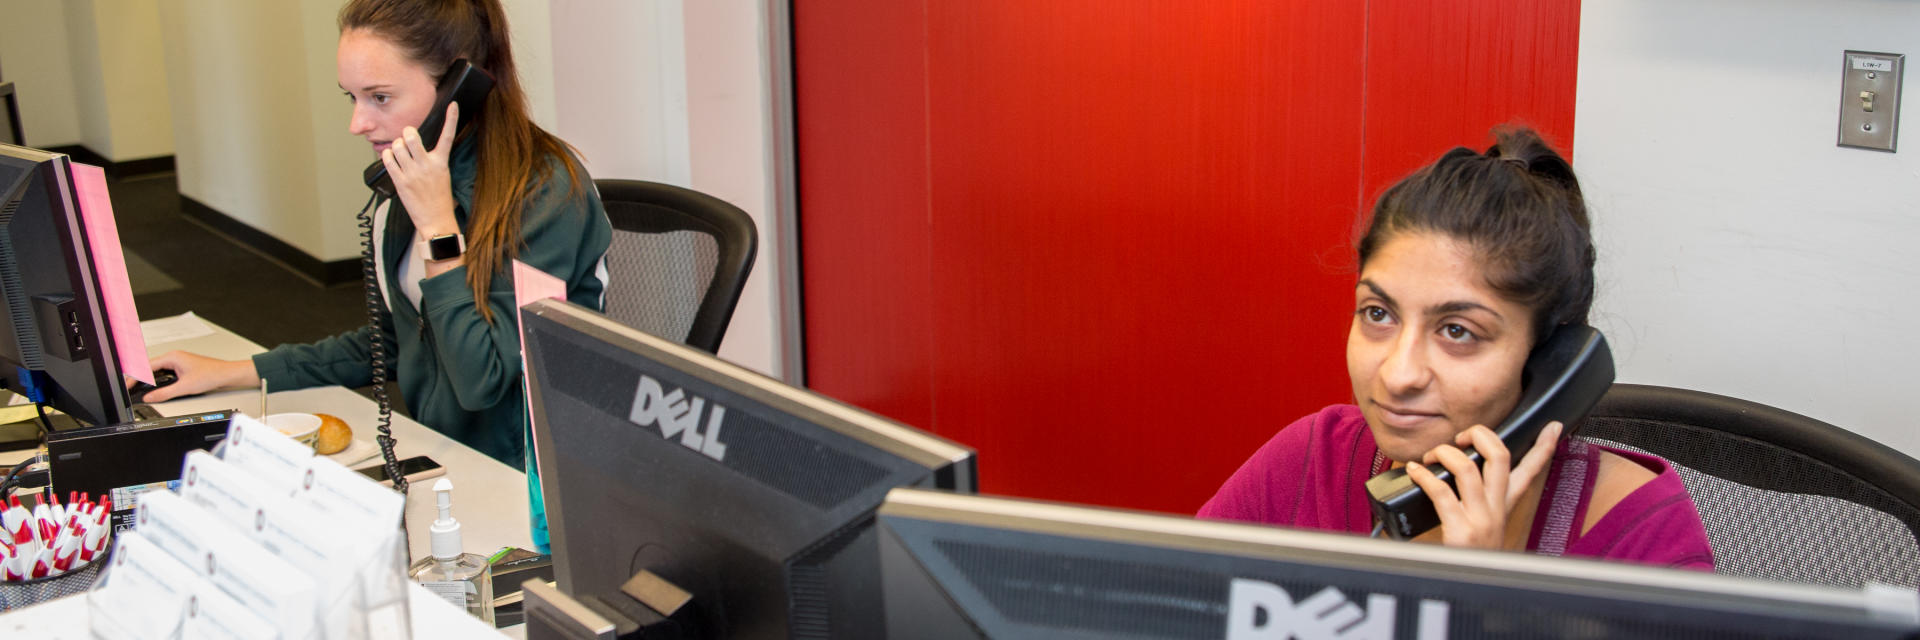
x,y
1783,496
678,262
10,103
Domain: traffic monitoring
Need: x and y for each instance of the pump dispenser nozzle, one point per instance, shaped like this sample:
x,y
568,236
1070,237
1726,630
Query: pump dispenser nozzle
x,y
445,530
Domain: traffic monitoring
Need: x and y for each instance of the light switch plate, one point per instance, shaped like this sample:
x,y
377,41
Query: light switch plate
x,y
1870,100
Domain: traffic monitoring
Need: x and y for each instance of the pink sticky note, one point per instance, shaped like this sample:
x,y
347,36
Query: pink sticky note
x,y
530,284
110,271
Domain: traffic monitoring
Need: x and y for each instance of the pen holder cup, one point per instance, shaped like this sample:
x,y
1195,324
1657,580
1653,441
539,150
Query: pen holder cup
x,y
14,595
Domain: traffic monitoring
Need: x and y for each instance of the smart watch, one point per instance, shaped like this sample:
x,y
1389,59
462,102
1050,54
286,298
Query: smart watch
x,y
445,247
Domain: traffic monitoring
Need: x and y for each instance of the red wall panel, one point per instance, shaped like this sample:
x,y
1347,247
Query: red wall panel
x,y
860,109
1441,74
1107,243
1110,182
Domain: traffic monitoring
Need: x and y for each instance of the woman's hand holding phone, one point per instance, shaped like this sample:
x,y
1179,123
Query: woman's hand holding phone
x,y
424,184
1477,516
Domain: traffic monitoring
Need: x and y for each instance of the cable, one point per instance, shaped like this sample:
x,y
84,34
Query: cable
x,y
12,480
1378,528
46,426
377,345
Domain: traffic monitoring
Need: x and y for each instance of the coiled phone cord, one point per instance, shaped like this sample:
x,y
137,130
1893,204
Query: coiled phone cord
x,y
377,345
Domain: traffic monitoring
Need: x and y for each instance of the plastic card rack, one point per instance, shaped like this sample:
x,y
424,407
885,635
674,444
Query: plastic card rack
x,y
261,539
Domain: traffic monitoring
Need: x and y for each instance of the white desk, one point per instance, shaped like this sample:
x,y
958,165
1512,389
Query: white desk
x,y
490,498
65,619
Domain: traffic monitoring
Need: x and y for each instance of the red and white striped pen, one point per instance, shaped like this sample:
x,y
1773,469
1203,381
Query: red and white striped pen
x,y
17,520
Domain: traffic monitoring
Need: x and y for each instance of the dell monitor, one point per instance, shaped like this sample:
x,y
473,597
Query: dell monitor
x,y
55,346
977,567
663,464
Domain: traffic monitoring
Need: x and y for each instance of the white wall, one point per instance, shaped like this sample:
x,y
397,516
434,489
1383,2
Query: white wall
x,y
89,72
261,123
247,116
729,124
336,157
1741,252
119,84
89,76
621,87
677,92
133,77
531,22
34,56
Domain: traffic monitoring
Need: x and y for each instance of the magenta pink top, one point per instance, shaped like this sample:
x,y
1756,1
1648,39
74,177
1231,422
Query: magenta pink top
x,y
1312,474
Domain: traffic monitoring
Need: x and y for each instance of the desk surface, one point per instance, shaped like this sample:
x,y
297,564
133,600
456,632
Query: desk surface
x,y
490,498
431,618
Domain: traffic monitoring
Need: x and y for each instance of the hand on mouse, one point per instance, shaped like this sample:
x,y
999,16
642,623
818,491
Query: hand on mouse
x,y
196,374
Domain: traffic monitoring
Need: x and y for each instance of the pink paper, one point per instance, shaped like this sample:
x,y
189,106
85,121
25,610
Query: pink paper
x,y
110,271
530,284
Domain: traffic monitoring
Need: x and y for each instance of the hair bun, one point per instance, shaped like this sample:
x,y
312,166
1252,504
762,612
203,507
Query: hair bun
x,y
1529,226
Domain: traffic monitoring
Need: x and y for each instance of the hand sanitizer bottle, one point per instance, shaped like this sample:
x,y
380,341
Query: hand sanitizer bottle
x,y
464,579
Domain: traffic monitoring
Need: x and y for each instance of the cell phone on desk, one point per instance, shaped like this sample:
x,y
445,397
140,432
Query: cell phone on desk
x,y
1564,377
414,469
463,83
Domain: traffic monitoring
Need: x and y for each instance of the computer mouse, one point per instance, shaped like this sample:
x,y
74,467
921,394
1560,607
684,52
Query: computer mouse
x,y
161,378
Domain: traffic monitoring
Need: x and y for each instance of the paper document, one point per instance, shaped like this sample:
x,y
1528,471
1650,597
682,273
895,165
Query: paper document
x,y
185,326
530,284
110,271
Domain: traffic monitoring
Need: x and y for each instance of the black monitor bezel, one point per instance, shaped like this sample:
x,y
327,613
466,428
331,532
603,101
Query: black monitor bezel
x,y
77,251
1469,569
945,464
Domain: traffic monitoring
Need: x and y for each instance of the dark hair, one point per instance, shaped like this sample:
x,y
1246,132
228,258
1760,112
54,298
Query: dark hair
x,y
513,151
1517,207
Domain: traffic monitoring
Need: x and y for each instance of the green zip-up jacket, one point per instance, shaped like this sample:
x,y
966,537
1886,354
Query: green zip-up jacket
x,y
459,374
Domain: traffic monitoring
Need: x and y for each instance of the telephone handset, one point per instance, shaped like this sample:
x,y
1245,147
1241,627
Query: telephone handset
x,y
468,85
1563,379
463,83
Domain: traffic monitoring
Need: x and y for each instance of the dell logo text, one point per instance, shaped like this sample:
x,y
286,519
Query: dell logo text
x,y
1259,610
678,413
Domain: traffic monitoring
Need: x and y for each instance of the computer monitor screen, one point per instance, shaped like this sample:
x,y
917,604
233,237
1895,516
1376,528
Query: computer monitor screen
x,y
755,496
977,567
56,345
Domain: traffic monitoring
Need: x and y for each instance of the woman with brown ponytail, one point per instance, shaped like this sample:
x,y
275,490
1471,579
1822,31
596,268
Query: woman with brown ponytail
x,y
503,188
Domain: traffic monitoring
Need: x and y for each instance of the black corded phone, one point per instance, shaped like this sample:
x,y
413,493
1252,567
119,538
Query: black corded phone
x,y
1563,379
468,85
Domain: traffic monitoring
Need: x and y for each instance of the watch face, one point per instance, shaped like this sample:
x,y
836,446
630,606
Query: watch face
x,y
445,247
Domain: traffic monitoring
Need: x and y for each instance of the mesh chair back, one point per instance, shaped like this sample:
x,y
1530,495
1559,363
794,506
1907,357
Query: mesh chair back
x,y
678,260
1783,496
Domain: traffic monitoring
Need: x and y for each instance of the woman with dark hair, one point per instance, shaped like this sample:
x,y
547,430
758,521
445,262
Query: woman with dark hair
x,y
1464,267
504,189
